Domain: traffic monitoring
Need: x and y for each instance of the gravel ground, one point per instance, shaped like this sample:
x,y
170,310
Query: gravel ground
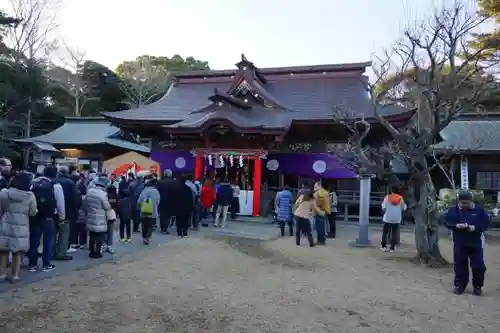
x,y
221,284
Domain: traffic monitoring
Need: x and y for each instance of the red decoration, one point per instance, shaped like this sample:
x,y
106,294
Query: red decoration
x,y
198,168
257,179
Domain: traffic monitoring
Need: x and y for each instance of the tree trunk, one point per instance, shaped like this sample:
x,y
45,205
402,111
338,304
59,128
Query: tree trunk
x,y
426,224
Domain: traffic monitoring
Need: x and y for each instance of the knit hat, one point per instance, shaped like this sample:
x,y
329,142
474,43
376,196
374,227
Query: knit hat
x,y
465,195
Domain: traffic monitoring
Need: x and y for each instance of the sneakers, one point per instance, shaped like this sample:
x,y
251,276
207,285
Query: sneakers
x,y
15,279
72,250
110,250
123,240
3,277
477,291
32,269
128,240
384,249
458,290
48,268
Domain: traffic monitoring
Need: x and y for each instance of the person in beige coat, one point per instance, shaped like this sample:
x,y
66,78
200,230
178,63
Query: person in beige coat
x,y
96,205
17,204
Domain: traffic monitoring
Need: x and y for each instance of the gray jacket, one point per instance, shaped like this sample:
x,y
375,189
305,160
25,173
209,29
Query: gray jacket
x,y
16,208
95,205
150,192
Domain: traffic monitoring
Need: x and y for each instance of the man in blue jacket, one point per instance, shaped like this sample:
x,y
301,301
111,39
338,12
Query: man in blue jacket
x,y
223,199
467,222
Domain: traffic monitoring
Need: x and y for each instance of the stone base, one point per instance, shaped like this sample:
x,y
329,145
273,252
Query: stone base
x,y
364,243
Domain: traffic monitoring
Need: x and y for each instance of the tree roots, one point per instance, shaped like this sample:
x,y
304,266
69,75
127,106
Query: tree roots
x,y
431,260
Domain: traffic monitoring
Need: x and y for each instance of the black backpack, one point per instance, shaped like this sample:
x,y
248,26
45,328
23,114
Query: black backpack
x,y
45,199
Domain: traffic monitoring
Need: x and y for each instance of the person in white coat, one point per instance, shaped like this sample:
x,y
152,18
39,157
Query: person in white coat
x,y
96,206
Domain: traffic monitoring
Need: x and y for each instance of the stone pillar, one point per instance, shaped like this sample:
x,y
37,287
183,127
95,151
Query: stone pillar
x,y
363,239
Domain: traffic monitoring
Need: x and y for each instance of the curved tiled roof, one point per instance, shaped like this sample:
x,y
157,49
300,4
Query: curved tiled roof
x,y
85,131
312,92
241,119
471,135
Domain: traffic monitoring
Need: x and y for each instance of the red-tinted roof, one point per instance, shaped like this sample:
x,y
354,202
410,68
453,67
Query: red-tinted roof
x,y
308,92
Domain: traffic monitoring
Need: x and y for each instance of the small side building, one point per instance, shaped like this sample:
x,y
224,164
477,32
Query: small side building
x,y
472,146
85,141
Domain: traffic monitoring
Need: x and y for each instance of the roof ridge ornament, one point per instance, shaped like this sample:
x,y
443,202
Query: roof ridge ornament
x,y
221,98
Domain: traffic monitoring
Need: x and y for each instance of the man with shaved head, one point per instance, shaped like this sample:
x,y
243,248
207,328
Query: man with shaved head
x,y
5,169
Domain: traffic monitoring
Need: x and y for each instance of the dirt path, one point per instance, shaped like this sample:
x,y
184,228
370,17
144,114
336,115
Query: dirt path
x,y
222,285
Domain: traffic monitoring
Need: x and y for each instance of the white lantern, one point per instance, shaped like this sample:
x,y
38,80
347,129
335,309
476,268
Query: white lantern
x,y
221,161
241,161
231,161
210,160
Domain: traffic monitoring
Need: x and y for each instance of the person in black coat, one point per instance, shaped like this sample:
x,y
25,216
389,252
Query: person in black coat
x,y
166,188
136,187
183,206
125,212
66,231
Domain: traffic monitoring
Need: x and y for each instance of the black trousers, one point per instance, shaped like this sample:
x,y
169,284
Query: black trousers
x,y
125,225
303,227
332,221
73,233
96,240
282,227
393,229
147,226
136,218
182,223
165,219
462,257
81,234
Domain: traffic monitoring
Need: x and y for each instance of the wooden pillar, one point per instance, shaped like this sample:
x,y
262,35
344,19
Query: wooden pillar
x,y
257,180
281,180
198,168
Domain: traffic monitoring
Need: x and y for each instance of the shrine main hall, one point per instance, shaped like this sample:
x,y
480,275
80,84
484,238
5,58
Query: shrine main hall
x,y
258,126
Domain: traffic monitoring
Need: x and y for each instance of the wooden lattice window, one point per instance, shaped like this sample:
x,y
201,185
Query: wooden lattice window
x,y
488,180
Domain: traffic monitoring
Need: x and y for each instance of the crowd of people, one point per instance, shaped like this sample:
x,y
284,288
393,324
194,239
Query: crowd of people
x,y
66,210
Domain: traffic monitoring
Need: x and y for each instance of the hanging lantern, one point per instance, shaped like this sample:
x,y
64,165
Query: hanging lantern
x,y
231,161
241,161
221,161
210,160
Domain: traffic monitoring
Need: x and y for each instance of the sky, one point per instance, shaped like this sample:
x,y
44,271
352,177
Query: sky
x,y
269,32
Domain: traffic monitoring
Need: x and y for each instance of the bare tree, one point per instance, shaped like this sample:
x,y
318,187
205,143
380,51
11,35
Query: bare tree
x,y
31,37
30,40
70,78
432,72
143,83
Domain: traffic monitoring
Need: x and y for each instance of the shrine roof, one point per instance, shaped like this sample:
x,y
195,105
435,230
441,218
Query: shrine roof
x,y
310,92
276,120
471,134
86,131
